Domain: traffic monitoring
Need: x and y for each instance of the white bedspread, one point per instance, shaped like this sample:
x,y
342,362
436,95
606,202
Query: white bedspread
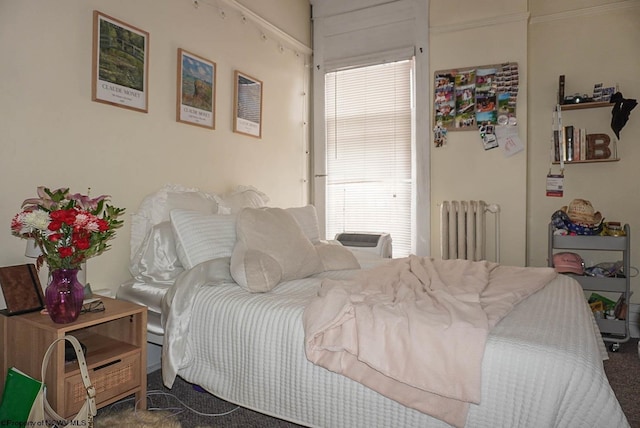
x,y
542,365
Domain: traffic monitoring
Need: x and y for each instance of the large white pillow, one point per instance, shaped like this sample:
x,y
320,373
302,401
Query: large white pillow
x,y
201,237
335,256
242,197
307,219
157,260
271,248
156,207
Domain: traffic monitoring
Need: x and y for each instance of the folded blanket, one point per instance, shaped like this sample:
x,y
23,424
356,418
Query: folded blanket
x,y
415,328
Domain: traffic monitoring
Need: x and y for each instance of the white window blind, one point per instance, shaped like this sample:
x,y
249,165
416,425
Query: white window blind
x,y
368,114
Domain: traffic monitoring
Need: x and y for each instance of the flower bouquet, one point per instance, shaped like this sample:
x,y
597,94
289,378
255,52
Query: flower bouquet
x,y
68,229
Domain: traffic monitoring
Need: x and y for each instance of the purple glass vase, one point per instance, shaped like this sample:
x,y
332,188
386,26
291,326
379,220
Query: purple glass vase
x,y
64,296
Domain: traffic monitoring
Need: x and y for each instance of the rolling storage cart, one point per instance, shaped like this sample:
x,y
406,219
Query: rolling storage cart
x,y
615,331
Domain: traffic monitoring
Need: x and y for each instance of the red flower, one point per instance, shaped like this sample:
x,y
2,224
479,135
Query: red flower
x,y
82,243
55,225
16,225
103,225
65,251
55,237
64,216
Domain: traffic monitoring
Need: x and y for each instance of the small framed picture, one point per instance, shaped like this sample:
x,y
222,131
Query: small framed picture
x,y
120,66
247,115
196,85
607,92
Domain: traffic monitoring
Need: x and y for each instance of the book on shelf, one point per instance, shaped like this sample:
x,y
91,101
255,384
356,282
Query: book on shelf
x,y
561,89
570,144
568,138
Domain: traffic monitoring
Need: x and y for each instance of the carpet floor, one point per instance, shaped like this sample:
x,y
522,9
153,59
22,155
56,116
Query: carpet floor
x,y
190,407
623,371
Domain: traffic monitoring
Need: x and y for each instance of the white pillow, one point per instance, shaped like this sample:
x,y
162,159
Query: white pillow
x,y
335,256
156,207
271,248
201,237
307,219
242,197
157,259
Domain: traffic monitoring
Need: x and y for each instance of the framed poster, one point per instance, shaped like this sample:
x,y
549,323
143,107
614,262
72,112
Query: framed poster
x,y
120,67
196,98
247,105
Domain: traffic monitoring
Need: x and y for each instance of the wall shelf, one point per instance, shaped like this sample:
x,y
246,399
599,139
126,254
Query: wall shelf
x,y
587,149
581,106
588,161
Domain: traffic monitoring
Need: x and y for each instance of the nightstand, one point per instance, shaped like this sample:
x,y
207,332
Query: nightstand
x,y
116,354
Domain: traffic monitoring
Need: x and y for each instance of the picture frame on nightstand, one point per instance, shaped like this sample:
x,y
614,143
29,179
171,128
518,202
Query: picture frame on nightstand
x,y
21,289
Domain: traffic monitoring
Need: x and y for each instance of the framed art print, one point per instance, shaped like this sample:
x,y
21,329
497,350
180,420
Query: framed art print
x,y
120,70
196,97
247,116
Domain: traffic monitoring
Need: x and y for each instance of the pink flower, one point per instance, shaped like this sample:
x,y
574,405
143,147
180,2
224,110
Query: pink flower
x,y
87,203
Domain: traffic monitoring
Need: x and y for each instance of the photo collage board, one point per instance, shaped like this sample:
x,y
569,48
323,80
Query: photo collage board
x,y
466,99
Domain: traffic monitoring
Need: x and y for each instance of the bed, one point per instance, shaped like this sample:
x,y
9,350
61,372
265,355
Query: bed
x,y
541,366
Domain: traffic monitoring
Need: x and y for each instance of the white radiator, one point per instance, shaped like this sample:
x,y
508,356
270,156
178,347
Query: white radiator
x,y
463,230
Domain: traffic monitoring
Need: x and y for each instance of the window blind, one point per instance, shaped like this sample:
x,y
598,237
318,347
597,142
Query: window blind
x,y
368,115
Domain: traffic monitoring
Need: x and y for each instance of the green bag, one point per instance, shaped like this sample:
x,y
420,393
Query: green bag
x,y
20,392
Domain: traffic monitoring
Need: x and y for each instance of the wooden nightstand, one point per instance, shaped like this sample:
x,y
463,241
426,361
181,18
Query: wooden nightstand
x,y
116,354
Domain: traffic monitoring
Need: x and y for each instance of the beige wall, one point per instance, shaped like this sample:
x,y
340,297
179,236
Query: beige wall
x,y
595,43
480,34
589,42
53,134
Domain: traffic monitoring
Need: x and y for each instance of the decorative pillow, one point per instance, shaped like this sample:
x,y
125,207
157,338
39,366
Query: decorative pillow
x,y
336,257
219,271
157,259
242,197
201,237
307,219
156,207
271,248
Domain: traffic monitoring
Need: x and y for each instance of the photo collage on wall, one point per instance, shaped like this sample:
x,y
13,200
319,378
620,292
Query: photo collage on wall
x,y
468,99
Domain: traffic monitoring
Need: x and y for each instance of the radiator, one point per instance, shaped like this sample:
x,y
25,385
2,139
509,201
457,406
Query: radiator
x,y
463,230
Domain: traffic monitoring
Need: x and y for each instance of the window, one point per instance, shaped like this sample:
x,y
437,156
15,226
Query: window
x,y
368,118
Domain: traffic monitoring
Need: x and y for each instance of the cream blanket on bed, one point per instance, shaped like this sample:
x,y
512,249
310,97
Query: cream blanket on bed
x,y
415,328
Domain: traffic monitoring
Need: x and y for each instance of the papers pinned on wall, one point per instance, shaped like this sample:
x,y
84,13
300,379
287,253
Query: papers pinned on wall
x,y
509,140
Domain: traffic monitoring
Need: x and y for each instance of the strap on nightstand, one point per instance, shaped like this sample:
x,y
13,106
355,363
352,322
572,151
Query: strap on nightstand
x,y
41,411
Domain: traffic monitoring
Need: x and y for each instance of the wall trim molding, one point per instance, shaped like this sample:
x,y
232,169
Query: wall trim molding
x,y
587,11
479,23
285,37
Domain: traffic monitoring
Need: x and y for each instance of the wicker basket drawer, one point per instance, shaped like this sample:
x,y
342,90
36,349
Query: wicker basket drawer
x,y
110,379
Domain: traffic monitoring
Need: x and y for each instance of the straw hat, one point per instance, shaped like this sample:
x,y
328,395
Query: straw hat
x,y
581,211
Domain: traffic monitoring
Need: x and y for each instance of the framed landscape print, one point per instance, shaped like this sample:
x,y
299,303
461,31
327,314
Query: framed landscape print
x,y
247,115
196,97
120,67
